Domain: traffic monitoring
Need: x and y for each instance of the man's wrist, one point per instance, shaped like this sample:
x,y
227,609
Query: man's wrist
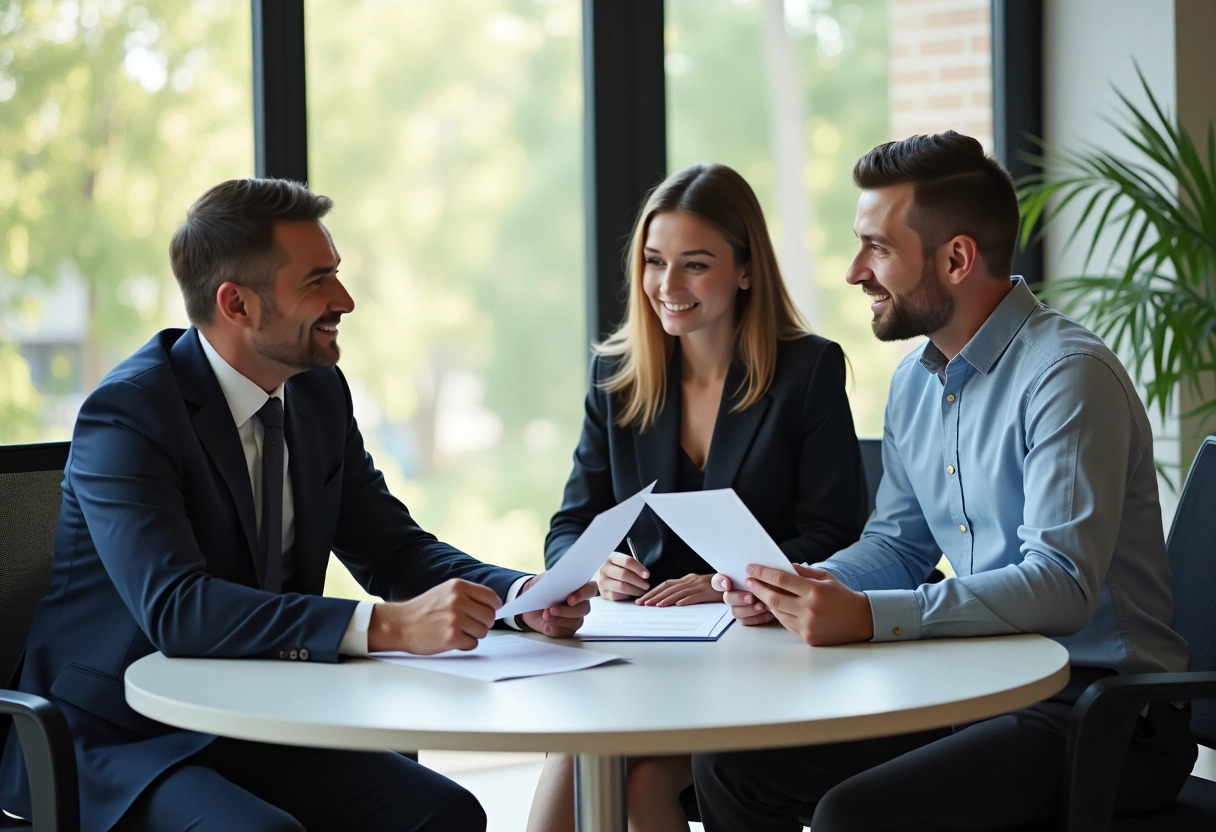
x,y
380,629
516,622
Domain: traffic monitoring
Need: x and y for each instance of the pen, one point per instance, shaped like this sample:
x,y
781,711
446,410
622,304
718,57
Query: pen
x,y
632,551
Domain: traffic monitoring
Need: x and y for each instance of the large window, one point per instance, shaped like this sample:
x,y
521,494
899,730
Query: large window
x,y
791,93
450,137
114,116
449,133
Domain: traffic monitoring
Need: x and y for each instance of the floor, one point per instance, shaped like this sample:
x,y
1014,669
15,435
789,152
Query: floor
x,y
502,782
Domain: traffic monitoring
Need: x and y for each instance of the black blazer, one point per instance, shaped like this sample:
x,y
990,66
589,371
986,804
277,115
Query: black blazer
x,y
792,457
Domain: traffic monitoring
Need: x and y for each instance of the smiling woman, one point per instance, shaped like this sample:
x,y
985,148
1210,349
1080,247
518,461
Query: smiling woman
x,y
712,381
691,277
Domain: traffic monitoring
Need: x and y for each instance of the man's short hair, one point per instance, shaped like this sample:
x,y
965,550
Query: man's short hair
x,y
228,235
957,189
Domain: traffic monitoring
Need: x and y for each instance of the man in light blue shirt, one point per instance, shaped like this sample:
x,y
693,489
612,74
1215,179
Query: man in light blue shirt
x,y
1016,445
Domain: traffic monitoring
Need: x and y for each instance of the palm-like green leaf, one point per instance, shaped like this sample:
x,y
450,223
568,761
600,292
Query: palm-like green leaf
x,y
1158,302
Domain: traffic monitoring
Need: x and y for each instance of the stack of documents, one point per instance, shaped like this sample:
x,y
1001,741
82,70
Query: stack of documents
x,y
627,621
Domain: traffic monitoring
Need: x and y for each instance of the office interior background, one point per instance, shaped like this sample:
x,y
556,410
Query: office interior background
x,y
485,158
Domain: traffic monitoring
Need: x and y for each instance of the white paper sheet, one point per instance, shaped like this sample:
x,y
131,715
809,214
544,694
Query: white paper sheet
x,y
503,656
580,562
718,527
627,621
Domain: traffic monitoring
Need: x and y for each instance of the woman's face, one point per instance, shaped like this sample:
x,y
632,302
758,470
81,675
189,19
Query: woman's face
x,y
690,275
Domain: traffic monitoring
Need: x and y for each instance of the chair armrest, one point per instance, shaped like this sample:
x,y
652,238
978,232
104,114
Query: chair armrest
x,y
1101,730
50,759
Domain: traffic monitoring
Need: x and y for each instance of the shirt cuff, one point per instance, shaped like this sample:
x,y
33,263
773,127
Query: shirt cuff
x,y
354,640
513,593
896,614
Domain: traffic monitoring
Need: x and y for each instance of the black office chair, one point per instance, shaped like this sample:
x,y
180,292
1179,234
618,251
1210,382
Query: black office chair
x,y
30,476
1106,713
871,463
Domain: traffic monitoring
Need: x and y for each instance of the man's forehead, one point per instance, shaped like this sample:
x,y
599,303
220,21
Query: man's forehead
x,y
306,237
888,197
889,203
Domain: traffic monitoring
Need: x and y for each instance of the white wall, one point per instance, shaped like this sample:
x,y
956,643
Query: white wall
x,y
1090,48
1093,46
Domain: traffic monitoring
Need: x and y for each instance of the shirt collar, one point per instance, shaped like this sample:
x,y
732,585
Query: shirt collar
x,y
994,336
243,396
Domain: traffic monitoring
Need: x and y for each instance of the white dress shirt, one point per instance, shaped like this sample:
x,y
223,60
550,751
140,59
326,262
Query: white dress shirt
x,y
245,399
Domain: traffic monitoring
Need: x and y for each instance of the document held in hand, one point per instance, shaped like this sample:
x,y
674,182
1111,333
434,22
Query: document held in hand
x,y
580,562
717,526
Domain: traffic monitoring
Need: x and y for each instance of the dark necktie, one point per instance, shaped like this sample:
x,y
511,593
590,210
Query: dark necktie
x,y
270,536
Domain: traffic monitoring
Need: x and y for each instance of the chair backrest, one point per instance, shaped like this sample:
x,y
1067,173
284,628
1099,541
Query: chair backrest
x,y
1192,548
871,462
30,476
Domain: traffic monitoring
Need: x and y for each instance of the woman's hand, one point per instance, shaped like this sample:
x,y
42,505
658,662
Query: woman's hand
x,y
691,589
622,577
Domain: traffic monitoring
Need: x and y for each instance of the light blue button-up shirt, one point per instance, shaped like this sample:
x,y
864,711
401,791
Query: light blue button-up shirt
x,y
1026,460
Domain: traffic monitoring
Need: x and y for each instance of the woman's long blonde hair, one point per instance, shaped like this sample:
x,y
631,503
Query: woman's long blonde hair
x,y
764,313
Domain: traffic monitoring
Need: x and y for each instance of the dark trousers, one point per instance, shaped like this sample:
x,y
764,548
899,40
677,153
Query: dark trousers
x,y
236,786
1000,773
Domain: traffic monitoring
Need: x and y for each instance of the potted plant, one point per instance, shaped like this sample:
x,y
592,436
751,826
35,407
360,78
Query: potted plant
x,y
1157,304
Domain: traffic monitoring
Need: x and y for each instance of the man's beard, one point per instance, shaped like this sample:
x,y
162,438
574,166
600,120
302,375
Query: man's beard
x,y
923,311
301,354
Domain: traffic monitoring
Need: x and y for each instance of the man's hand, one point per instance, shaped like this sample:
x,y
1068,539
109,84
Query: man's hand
x,y
813,604
691,589
452,616
560,620
622,577
743,605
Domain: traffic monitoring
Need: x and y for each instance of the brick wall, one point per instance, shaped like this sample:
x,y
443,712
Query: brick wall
x,y
941,68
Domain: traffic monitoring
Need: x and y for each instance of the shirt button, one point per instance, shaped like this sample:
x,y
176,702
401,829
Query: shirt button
x,y
962,528
303,654
949,469
293,655
282,654
949,397
897,630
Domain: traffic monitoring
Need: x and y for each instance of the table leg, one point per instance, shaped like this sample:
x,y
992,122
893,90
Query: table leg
x,y
599,793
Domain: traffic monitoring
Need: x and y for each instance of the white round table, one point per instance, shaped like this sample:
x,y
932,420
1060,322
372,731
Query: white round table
x,y
755,687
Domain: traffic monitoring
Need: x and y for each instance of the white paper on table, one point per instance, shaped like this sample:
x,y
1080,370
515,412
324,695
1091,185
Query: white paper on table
x,y
580,562
627,621
504,656
717,526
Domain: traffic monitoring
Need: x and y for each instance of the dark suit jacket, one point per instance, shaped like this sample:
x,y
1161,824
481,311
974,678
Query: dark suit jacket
x,y
792,457
156,548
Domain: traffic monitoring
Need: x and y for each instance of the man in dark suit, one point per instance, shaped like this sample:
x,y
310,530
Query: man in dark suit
x,y
211,474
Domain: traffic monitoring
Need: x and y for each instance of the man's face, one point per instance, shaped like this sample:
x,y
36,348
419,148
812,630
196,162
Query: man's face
x,y
907,295
298,323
